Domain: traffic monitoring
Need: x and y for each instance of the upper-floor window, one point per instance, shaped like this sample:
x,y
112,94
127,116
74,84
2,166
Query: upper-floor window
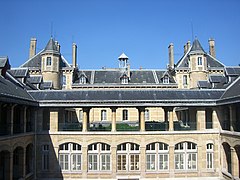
x,y
185,80
199,61
82,80
125,115
124,79
103,115
49,61
70,157
165,80
146,115
64,80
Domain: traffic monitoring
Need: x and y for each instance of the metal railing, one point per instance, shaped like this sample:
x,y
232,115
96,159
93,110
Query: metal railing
x,y
156,126
100,126
76,126
127,126
184,126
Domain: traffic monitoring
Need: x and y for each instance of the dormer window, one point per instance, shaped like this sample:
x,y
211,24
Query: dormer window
x,y
165,80
49,61
199,61
82,80
124,79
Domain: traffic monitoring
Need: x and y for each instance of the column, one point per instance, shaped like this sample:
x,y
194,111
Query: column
x,y
114,161
201,119
10,117
85,119
171,161
24,163
84,162
11,166
53,120
141,111
143,160
215,120
232,117
24,119
114,117
171,126
234,163
201,164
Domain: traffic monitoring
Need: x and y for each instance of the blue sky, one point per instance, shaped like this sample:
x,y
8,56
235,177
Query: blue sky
x,y
103,29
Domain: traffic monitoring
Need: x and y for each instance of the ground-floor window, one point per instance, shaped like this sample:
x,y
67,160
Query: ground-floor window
x,y
185,156
209,156
70,157
99,157
128,157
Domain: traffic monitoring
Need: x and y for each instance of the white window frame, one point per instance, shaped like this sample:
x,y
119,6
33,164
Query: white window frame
x,y
124,80
82,80
66,154
103,115
147,115
161,153
185,156
209,156
100,153
199,61
49,61
128,157
125,115
166,79
185,80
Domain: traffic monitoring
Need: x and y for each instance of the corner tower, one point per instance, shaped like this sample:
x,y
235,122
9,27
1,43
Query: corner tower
x,y
50,63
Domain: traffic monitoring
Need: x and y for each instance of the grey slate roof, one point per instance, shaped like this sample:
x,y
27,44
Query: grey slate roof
x,y
115,97
233,71
3,61
46,85
233,90
36,79
19,72
204,84
217,78
51,46
196,48
12,92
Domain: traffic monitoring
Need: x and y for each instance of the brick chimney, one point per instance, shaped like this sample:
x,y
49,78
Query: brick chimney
x,y
33,46
188,45
171,56
212,47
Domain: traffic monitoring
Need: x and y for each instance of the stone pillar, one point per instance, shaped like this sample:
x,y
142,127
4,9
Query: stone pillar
x,y
201,165
24,163
53,120
24,119
171,126
11,166
143,161
85,119
84,162
215,120
114,117
201,119
114,161
234,163
141,111
171,161
10,117
232,117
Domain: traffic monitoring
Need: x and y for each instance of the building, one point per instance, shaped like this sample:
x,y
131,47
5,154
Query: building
x,y
61,122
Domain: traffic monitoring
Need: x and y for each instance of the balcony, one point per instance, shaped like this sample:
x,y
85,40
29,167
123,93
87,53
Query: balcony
x,y
70,126
100,126
184,126
127,126
156,126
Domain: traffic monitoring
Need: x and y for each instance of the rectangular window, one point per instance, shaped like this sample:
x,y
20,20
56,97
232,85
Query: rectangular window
x,y
105,162
103,115
151,162
192,161
199,61
121,162
45,157
134,162
146,114
93,162
209,160
163,161
185,82
179,161
64,161
76,162
49,61
125,115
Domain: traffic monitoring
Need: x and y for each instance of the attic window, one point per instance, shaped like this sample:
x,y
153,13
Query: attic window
x,y
82,80
165,80
124,80
49,61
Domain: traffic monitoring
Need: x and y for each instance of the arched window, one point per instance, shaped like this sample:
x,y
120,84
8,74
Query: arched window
x,y
124,80
128,157
185,156
103,115
70,157
99,157
209,154
125,115
157,156
165,79
82,80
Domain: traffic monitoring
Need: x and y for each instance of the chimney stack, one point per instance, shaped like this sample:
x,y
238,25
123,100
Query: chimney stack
x,y
212,47
185,48
32,49
171,56
74,55
58,46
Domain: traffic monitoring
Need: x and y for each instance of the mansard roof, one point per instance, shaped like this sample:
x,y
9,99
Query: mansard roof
x,y
19,72
196,48
112,76
127,97
233,71
3,61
